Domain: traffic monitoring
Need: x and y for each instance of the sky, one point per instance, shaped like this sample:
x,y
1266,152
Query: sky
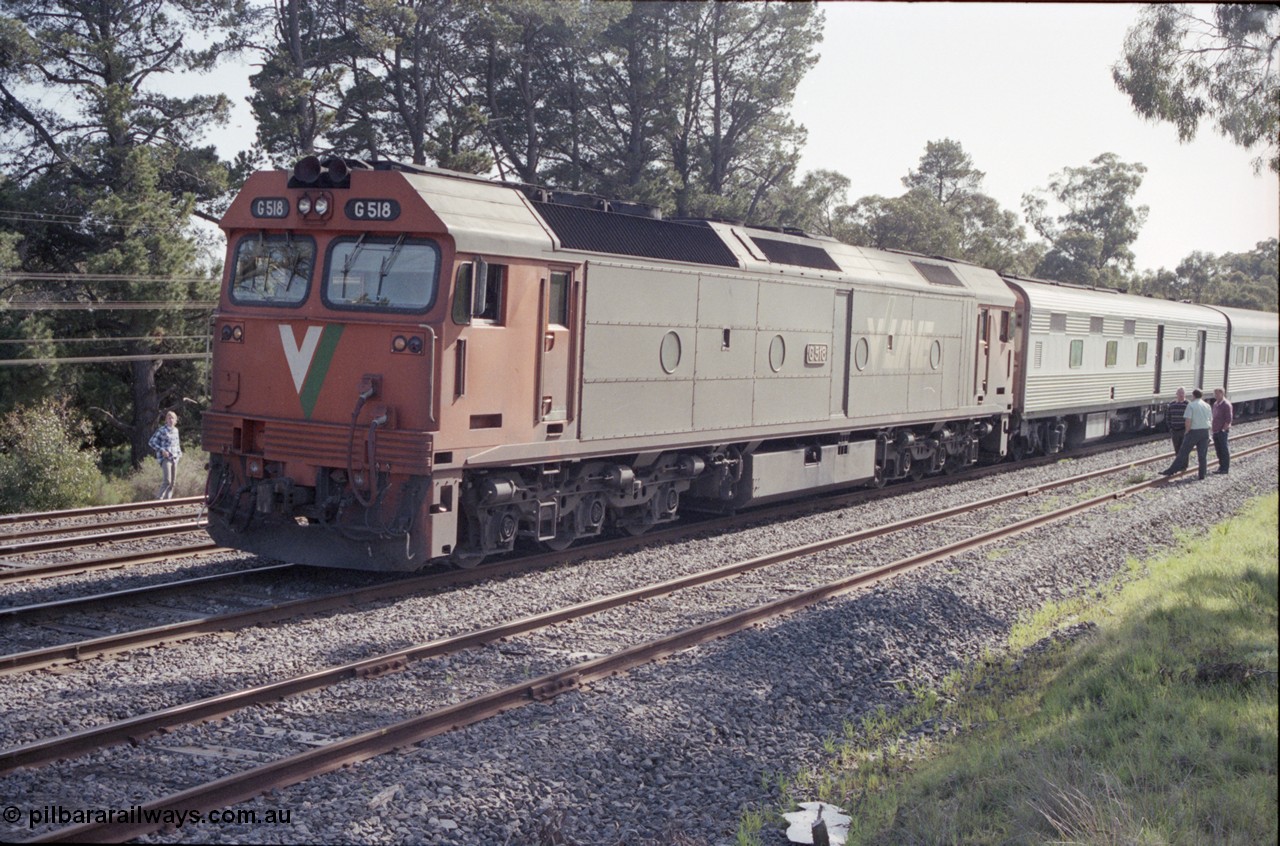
x,y
1027,91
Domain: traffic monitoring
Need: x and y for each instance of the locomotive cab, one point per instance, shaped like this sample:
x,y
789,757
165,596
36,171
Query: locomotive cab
x,y
324,400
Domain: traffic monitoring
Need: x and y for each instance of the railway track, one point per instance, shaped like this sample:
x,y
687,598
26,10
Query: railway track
x,y
45,540
53,543
228,621
292,769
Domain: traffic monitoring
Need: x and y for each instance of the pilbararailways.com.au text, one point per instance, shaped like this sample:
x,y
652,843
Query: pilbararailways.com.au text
x,y
136,814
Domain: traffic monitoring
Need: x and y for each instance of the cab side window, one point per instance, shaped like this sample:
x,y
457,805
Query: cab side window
x,y
558,299
485,305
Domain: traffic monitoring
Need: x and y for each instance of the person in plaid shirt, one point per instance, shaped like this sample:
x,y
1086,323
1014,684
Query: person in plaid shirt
x,y
168,450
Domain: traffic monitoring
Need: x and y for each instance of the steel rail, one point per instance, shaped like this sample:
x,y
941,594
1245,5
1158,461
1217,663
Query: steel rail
x,y
102,537
50,531
31,516
296,768
116,561
18,611
135,728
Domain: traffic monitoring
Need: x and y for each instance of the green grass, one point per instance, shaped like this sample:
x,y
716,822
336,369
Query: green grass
x,y
1152,721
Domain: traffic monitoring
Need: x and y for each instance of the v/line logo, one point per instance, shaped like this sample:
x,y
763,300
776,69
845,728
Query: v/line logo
x,y
309,359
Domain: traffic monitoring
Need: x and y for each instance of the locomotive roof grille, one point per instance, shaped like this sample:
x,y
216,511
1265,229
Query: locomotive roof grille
x,y
602,232
801,255
938,274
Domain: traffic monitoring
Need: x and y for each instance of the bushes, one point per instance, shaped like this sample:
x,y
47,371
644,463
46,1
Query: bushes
x,y
44,463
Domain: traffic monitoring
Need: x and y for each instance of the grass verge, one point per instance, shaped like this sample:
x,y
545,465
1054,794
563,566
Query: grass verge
x,y
1144,713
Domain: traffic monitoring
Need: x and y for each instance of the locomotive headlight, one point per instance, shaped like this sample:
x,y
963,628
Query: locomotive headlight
x,y
304,205
254,468
400,344
322,205
226,333
415,345
237,334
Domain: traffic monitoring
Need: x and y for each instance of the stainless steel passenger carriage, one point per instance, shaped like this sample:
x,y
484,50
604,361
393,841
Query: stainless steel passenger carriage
x,y
1253,378
1096,361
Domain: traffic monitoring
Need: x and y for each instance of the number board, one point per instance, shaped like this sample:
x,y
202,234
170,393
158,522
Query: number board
x,y
815,354
274,207
373,209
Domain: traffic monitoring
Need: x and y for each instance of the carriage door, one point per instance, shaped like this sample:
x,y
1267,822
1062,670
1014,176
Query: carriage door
x,y
982,358
1159,356
555,355
1201,342
841,321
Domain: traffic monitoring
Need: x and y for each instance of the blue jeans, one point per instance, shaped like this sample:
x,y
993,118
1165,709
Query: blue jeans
x,y
1197,439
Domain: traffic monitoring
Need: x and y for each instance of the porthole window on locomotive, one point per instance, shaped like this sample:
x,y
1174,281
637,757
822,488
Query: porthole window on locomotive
x,y
935,353
861,354
382,273
669,352
272,270
777,353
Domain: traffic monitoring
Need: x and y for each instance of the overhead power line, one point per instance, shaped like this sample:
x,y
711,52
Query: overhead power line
x,y
112,305
36,341
101,359
100,277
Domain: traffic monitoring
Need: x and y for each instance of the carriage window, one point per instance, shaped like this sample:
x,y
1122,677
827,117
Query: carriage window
x,y
1004,326
1239,355
1179,354
382,273
1077,353
558,298
1142,353
1113,350
1248,356
272,270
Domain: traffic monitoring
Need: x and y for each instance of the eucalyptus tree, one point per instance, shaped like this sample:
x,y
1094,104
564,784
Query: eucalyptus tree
x,y
297,89
1089,238
735,73
109,164
1187,63
944,212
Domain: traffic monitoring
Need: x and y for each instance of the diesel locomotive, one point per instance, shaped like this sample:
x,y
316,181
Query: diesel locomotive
x,y
413,365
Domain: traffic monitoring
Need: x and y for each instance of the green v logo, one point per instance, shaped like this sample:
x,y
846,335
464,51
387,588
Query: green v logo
x,y
309,360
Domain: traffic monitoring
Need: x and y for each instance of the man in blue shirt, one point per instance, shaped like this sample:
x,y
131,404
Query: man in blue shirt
x,y
1198,419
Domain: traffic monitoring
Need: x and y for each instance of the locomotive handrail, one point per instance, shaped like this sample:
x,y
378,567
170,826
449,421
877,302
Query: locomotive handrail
x,y
431,372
